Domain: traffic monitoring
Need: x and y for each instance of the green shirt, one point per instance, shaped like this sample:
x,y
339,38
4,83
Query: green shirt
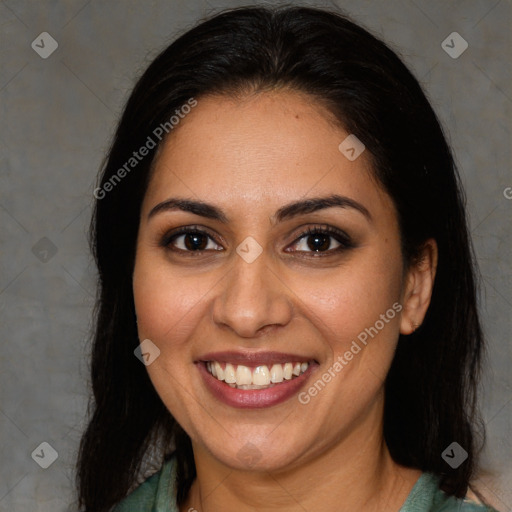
x,y
158,494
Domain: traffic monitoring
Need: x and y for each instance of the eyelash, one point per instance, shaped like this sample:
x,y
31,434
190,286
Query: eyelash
x,y
342,238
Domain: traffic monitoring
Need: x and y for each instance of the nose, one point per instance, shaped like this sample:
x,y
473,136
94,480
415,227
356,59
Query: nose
x,y
253,299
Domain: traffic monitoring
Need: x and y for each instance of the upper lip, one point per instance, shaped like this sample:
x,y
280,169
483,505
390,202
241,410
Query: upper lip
x,y
253,358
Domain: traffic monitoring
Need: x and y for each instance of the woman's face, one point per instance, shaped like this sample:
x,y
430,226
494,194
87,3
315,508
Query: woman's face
x,y
254,297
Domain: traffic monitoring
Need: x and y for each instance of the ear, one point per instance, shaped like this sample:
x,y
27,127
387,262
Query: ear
x,y
419,283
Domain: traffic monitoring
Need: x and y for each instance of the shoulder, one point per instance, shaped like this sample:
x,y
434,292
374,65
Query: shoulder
x,y
426,496
156,494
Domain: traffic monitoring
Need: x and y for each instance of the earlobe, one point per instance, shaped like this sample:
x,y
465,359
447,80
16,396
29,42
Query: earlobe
x,y
418,289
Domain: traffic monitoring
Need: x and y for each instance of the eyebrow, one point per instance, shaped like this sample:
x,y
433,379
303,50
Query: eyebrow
x,y
286,212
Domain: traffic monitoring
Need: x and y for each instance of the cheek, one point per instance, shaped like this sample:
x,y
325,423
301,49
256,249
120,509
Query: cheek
x,y
169,309
168,305
350,301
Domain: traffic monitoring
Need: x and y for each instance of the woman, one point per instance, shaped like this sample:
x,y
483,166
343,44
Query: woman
x,y
287,317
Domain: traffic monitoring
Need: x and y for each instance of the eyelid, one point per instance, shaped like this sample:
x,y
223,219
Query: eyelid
x,y
169,236
339,235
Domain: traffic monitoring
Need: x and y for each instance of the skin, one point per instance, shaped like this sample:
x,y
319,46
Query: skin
x,y
249,157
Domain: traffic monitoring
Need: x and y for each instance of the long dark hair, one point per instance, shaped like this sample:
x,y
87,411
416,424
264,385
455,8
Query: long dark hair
x,y
430,392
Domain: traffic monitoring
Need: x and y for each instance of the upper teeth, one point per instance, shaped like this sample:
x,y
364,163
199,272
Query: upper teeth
x,y
251,378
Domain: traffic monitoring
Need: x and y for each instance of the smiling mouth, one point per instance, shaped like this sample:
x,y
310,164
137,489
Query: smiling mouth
x,y
259,377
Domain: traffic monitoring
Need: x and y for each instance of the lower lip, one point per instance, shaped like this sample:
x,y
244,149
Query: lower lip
x,y
253,398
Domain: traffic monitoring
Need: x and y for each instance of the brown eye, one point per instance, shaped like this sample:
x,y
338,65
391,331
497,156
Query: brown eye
x,y
191,240
319,242
322,240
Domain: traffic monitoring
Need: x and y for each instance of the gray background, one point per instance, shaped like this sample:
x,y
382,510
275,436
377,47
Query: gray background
x,y
57,117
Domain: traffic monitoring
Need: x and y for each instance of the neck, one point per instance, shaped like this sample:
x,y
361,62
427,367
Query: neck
x,y
354,473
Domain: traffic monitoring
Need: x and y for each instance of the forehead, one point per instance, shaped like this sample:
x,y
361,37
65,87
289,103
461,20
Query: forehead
x,y
263,149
